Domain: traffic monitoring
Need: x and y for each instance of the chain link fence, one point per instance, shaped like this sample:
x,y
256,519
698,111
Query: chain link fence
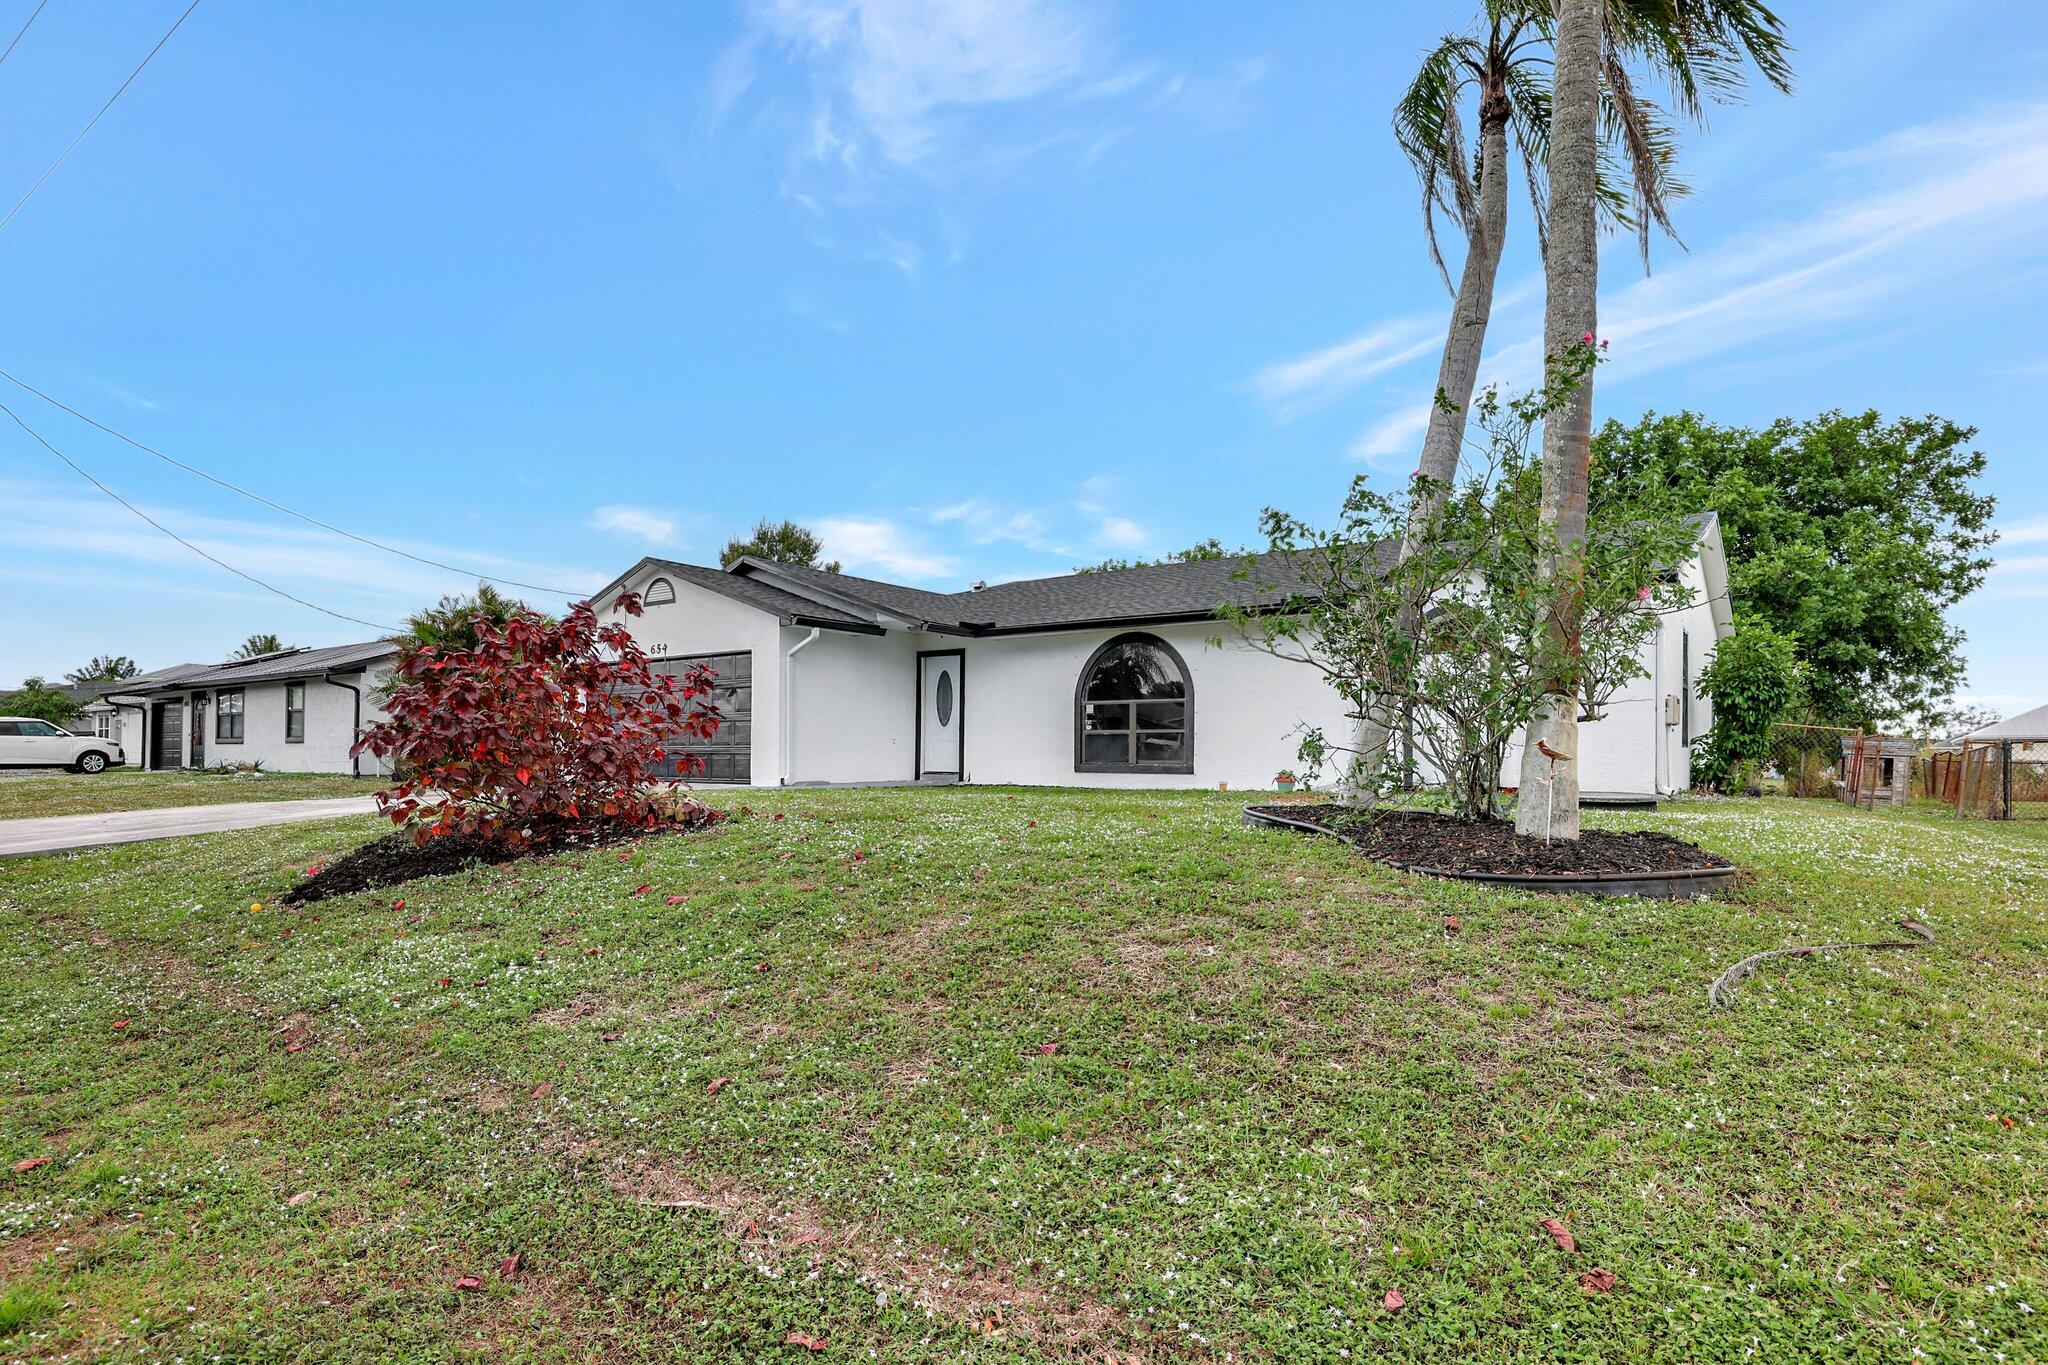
x,y
1989,779
1984,779
1803,760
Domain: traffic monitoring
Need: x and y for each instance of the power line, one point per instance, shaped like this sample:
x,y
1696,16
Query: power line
x,y
23,32
210,558
278,506
52,169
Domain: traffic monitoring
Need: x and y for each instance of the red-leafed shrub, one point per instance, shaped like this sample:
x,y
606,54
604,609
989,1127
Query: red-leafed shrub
x,y
541,728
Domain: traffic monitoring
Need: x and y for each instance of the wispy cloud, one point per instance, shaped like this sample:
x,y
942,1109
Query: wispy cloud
x,y
1111,528
1052,529
800,304
732,75
1305,382
887,72
642,523
1923,207
905,256
2019,569
880,544
2003,703
1121,532
1398,433
2025,533
1931,202
983,522
899,110
54,528
132,399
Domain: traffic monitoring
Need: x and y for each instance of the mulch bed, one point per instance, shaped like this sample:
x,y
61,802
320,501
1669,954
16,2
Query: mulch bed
x,y
1422,839
395,858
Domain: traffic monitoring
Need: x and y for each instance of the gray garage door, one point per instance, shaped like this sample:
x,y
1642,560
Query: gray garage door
x,y
730,756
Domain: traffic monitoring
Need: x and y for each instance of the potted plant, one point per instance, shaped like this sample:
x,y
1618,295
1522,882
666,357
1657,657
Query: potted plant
x,y
1284,780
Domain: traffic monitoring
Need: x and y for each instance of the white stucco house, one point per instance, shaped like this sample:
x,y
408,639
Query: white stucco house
x,y
1096,679
295,711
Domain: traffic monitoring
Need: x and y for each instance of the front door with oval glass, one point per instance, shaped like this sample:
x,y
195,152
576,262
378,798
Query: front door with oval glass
x,y
941,702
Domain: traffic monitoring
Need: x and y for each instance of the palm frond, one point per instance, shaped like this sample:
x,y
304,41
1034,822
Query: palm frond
x,y
1529,127
1426,128
1703,48
1463,180
1646,147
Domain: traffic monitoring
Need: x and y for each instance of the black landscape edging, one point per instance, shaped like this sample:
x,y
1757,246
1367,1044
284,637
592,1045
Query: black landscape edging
x,y
1679,884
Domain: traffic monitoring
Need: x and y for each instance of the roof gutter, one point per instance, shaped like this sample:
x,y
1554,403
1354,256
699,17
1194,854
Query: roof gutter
x,y
355,761
783,702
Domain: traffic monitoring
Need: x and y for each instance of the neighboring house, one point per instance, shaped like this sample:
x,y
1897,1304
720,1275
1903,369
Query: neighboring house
x,y
102,717
2027,733
295,711
80,694
1096,679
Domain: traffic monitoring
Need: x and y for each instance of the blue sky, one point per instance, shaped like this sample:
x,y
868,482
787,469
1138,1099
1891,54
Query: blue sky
x,y
979,290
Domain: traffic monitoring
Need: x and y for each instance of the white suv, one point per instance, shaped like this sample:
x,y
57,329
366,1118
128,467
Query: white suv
x,y
26,742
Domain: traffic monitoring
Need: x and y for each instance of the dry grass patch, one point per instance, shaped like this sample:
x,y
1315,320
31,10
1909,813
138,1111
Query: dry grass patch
x,y
989,1299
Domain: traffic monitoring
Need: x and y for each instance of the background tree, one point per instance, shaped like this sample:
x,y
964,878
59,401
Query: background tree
x,y
1212,548
1503,69
451,623
256,646
104,668
1754,680
1852,533
784,542
1952,723
37,698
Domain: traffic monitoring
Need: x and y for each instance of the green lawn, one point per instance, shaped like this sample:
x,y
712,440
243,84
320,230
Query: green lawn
x,y
1024,1075
27,794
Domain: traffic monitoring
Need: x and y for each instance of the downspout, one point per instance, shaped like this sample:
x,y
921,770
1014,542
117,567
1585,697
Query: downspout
x,y
355,760
788,674
1658,742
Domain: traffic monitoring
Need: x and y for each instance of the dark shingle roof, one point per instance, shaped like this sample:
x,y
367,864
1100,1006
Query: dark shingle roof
x,y
156,677
1156,592
296,663
86,693
766,596
912,604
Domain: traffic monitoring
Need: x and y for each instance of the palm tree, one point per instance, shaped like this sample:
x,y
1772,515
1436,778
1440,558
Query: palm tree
x,y
451,622
1505,68
1550,750
256,646
1698,47
104,668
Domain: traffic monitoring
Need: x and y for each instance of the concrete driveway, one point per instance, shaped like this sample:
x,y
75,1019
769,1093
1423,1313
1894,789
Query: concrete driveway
x,y
57,833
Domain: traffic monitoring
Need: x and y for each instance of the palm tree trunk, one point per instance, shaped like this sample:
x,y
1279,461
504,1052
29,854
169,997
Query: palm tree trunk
x,y
1549,798
1456,377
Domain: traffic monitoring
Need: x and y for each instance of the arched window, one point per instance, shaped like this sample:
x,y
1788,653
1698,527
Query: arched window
x,y
658,592
1134,709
